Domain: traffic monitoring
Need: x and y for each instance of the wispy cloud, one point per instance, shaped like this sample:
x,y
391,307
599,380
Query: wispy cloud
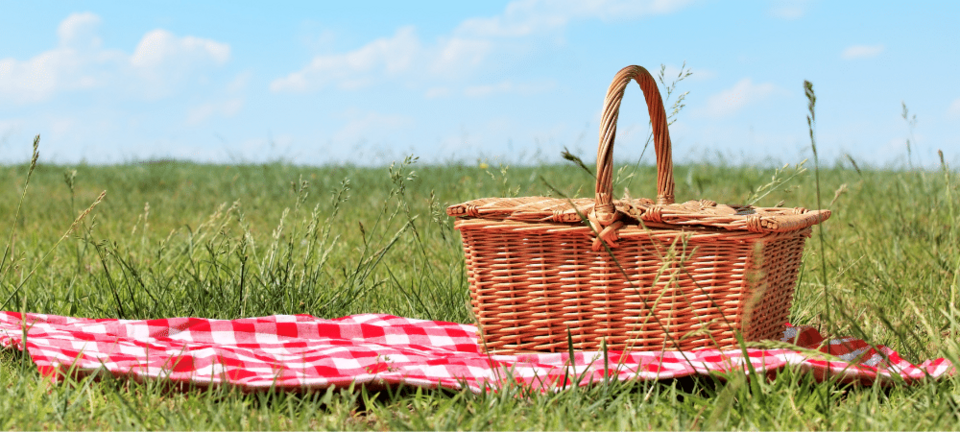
x,y
745,92
861,51
953,111
789,9
363,125
525,17
506,87
203,112
437,92
385,58
79,62
469,46
240,82
356,68
7,128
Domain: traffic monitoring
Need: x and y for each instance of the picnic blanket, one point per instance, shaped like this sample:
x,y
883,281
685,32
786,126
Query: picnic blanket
x,y
301,352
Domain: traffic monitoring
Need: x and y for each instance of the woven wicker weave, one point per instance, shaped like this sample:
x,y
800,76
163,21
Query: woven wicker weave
x,y
637,274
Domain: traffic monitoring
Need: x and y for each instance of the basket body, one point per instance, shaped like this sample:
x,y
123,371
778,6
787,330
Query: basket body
x,y
549,274
661,288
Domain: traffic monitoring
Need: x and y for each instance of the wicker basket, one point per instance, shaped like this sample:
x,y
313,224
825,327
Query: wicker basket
x,y
637,274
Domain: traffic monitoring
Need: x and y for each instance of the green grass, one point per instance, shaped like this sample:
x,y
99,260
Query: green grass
x,y
229,241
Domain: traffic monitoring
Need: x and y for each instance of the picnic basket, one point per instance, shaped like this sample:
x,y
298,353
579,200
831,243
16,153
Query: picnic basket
x,y
629,274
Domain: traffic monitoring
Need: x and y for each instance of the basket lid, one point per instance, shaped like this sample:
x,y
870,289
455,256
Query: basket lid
x,y
636,211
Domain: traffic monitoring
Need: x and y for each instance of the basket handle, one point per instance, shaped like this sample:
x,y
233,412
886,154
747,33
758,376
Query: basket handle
x,y
604,210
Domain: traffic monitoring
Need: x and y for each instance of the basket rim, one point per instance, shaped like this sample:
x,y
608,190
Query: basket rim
x,y
640,211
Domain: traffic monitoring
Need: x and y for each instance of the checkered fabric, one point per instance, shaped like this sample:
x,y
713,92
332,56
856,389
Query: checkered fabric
x,y
296,352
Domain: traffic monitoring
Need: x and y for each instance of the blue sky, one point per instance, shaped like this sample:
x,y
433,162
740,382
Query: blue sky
x,y
368,82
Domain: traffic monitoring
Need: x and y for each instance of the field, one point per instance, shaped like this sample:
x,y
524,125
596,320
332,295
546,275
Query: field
x,y
178,239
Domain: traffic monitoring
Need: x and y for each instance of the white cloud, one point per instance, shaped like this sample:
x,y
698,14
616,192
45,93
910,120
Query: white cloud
x,y
465,49
743,93
159,48
203,112
455,55
79,30
789,9
25,82
165,60
954,110
78,62
861,51
356,68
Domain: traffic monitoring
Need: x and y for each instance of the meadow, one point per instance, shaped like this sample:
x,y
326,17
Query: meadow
x,y
226,241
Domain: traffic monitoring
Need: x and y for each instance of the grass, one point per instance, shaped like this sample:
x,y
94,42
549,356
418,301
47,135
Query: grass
x,y
177,239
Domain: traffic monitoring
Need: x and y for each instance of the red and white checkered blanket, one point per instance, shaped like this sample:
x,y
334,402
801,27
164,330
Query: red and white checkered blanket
x,y
303,352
